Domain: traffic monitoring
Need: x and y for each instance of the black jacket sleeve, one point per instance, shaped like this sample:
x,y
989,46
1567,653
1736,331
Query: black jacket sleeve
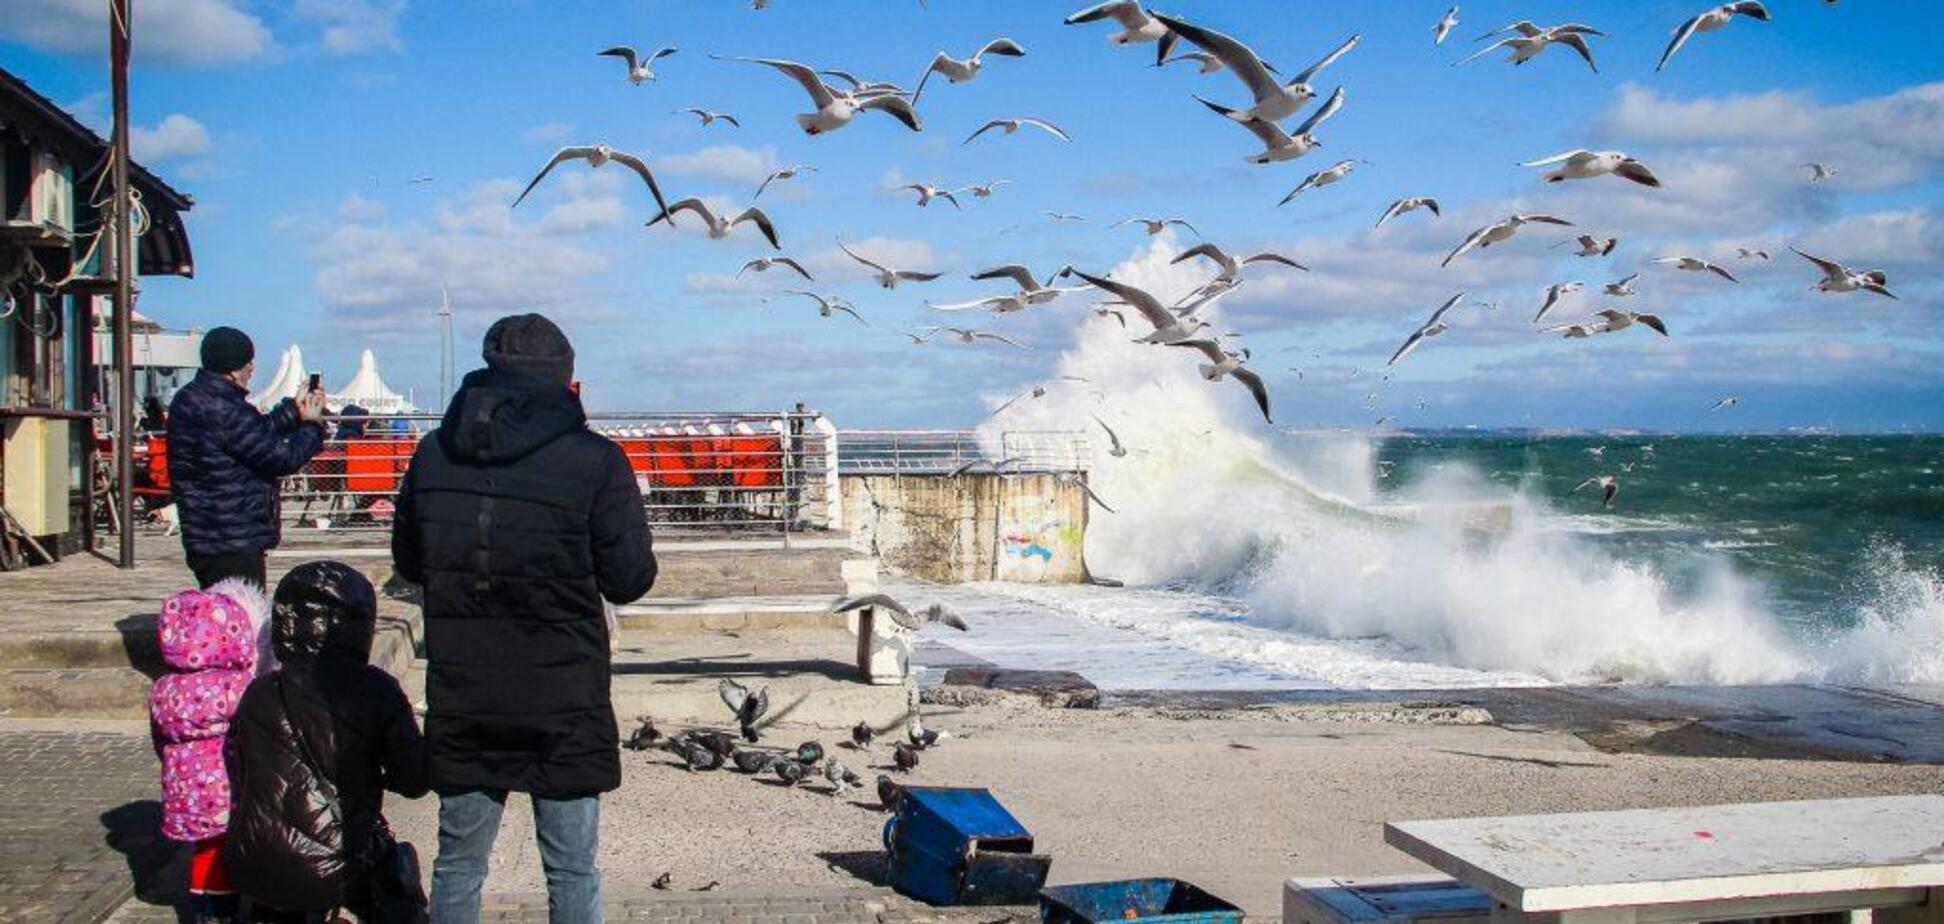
x,y
624,555
255,440
283,416
406,562
403,747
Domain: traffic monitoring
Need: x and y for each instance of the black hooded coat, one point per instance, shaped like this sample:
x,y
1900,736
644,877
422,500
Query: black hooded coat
x,y
519,521
325,710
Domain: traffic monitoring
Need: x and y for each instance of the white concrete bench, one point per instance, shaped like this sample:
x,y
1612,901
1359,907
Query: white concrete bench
x,y
1708,863
1384,900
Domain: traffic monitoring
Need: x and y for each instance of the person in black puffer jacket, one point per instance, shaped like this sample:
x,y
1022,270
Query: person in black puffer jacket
x,y
225,459
519,521
325,709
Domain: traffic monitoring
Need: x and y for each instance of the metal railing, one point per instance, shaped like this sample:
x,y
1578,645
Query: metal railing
x,y
944,452
753,471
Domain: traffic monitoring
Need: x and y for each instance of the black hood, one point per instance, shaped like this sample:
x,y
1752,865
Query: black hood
x,y
323,607
499,417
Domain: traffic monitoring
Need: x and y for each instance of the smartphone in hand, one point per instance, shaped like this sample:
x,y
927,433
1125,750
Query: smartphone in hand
x,y
317,381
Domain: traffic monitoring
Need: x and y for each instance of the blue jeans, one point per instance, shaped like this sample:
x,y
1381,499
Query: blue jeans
x,y
568,831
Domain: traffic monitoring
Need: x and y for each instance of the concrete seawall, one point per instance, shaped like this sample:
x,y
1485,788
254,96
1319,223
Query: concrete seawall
x,y
975,527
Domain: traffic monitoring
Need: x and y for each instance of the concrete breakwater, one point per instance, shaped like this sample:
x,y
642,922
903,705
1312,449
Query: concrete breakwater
x,y
972,527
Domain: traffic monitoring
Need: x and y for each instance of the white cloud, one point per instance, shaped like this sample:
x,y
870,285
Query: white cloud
x,y
729,162
189,33
176,136
352,26
547,132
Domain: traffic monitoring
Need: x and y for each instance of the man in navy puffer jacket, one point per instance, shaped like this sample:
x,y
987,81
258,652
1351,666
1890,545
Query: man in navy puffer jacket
x,y
225,459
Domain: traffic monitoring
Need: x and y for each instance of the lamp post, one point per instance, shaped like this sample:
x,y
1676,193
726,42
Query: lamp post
x,y
119,27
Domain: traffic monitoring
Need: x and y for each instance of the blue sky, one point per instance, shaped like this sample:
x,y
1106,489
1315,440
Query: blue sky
x,y
299,127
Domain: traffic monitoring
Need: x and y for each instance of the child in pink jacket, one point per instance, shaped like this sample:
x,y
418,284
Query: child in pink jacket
x,y
212,643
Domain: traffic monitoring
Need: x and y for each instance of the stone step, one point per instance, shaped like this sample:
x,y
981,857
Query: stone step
x,y
713,571
80,693
675,614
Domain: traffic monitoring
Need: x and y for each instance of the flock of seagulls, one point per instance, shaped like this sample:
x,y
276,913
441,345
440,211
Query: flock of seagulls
x,y
1273,101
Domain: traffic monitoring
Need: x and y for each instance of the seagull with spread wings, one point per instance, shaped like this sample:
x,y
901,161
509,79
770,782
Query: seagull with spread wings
x,y
719,226
835,108
1279,145
1582,164
960,70
1431,328
761,264
886,276
597,155
639,68
1710,19
1010,126
1840,278
1498,232
1407,204
1275,100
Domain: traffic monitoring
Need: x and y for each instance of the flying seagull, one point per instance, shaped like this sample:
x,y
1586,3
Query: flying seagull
x,y
932,613
1231,268
1223,363
1167,327
1443,28
1032,291
1581,164
1711,19
927,192
1590,246
1750,253
1729,401
968,335
719,226
639,68
787,173
1324,177
1012,125
886,276
1155,225
835,108
1406,204
1275,100
1840,278
1531,40
1696,264
709,117
1034,393
1497,232
1553,293
1279,145
1623,288
761,264
1114,447
597,155
1608,485
829,305
960,70
1430,328
1207,63
983,190
1137,26
1617,320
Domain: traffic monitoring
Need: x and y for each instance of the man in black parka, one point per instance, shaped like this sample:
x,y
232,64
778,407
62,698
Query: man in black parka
x,y
519,521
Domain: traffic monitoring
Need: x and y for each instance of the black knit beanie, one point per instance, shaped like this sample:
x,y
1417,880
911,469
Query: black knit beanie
x,y
226,349
529,345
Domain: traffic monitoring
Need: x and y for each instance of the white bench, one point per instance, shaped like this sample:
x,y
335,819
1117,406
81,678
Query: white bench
x,y
1710,863
1384,900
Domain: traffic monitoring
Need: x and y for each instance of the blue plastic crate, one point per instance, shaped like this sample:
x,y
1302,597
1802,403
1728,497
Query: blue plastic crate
x,y
1144,901
953,846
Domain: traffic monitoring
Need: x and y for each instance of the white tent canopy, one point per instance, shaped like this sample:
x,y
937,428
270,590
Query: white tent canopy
x,y
287,381
369,391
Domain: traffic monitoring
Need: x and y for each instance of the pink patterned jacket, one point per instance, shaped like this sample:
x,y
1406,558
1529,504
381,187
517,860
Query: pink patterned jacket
x,y
213,643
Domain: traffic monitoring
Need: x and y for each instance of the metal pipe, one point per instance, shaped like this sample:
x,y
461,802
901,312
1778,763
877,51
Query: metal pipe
x,y
120,25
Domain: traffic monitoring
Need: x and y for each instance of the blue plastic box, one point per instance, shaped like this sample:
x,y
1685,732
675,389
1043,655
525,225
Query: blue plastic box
x,y
953,846
1144,901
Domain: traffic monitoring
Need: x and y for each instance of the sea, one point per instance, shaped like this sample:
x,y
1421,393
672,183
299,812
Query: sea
x,y
1400,561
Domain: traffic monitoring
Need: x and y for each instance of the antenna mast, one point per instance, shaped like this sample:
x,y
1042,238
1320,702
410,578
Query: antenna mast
x,y
445,345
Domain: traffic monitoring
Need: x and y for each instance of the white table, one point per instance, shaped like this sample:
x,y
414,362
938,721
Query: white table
x,y
1655,866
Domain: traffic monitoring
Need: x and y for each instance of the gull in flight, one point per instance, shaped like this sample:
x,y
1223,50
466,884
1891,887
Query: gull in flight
x,y
1531,40
1230,267
1430,328
1729,401
787,173
1443,28
1623,288
1275,100
1168,328
1407,204
960,70
597,155
1324,177
1208,64
1607,484
1036,392
1101,311
761,264
864,87
1031,292
983,190
828,306
1012,125
967,335
1553,292
1590,246
1223,363
719,226
1840,278
1711,19
639,68
1155,225
1114,447
709,117
1750,253
935,613
1820,172
1696,264
1611,319
886,276
1279,145
927,192
1060,217
1499,231
1136,25
835,108
1581,164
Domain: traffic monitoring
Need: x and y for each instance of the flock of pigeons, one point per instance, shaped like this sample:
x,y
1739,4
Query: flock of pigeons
x,y
706,749
838,97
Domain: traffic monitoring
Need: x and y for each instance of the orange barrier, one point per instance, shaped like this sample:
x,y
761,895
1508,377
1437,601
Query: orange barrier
x,y
376,465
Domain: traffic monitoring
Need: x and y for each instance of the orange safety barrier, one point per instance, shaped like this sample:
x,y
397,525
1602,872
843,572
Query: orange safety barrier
x,y
376,465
